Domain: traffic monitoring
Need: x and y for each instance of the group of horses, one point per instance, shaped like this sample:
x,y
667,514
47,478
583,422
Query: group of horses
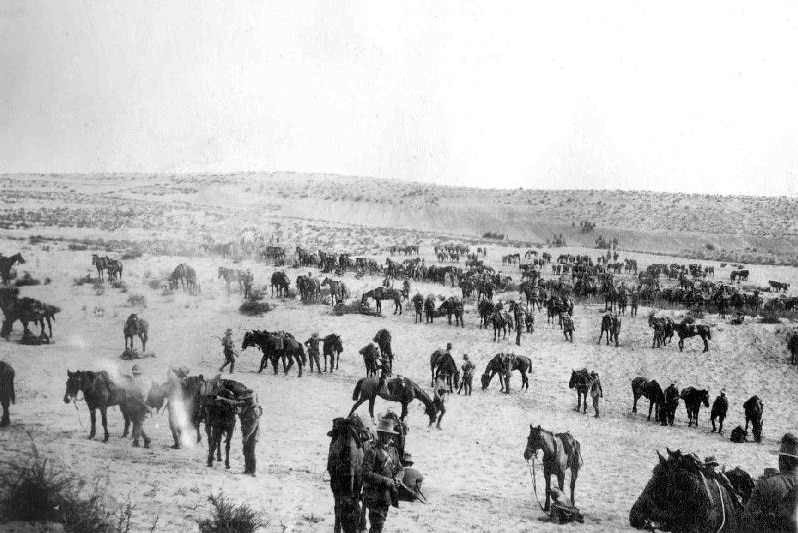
x,y
664,328
112,267
185,276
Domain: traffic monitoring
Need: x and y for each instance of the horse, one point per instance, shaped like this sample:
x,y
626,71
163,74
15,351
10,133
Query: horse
x,y
100,392
684,494
453,306
561,452
418,305
230,275
191,279
178,277
337,289
383,340
281,281
134,325
399,389
98,262
685,330
441,363
719,409
332,347
183,397
753,413
370,359
610,324
652,391
344,464
581,381
567,325
500,324
114,268
25,310
7,396
274,346
220,421
663,329
384,293
671,404
499,365
693,398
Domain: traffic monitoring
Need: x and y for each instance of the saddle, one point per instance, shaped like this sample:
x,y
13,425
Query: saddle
x,y
396,385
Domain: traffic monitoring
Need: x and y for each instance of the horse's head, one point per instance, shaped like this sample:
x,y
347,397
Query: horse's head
x,y
74,383
533,442
574,379
337,344
704,395
675,498
249,340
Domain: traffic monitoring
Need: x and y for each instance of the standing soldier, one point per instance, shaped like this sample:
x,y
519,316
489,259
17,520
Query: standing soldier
x,y
596,391
382,471
312,344
250,427
468,375
229,351
248,280
137,381
439,397
772,506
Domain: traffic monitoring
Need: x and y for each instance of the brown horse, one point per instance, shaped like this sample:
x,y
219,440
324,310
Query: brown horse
x,y
6,263
384,293
7,396
398,389
686,329
652,391
581,381
282,282
220,402
332,348
134,325
442,363
684,494
561,452
753,413
100,392
345,463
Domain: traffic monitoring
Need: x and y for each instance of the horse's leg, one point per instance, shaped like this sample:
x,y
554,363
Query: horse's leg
x,y
126,417
574,474
227,448
93,416
650,406
371,406
357,404
104,418
706,344
547,475
584,404
211,444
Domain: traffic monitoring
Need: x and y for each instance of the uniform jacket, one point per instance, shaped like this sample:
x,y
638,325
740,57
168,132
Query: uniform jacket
x,y
774,503
380,465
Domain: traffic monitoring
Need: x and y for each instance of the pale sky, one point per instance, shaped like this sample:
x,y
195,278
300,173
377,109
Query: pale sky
x,y
675,96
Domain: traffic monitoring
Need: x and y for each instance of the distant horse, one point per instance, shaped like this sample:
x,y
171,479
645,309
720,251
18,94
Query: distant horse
x,y
370,359
663,329
384,293
231,275
332,348
178,277
100,392
398,389
383,340
719,409
500,324
344,464
441,363
683,494
6,263
7,396
191,279
685,330
25,310
453,306
99,263
652,391
499,365
671,404
136,326
281,281
611,325
276,346
581,381
338,290
429,308
753,414
561,452
114,268
418,305
693,398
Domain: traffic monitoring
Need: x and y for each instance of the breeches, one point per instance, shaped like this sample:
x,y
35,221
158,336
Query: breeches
x,y
377,517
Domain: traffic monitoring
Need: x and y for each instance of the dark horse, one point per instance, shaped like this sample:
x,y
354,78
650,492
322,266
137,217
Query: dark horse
x,y
663,330
136,326
7,396
453,306
652,391
383,340
25,310
683,494
671,404
281,281
344,464
499,365
611,325
100,392
332,347
753,414
581,381
441,363
398,389
693,398
561,452
686,329
276,345
371,359
384,293
6,263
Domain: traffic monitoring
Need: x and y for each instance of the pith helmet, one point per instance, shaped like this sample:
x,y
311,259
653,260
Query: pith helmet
x,y
228,331
385,425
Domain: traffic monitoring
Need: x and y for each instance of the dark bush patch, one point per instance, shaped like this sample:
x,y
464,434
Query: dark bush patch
x,y
228,517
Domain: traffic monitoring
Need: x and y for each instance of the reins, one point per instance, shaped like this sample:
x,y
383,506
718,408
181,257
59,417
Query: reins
x,y
534,481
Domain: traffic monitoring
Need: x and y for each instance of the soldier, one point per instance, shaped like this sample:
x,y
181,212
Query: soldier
x,y
468,375
248,279
772,506
250,427
596,391
439,397
229,351
382,471
312,344
137,381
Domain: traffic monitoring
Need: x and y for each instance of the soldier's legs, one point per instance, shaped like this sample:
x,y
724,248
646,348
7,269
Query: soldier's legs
x,y
596,406
249,456
377,517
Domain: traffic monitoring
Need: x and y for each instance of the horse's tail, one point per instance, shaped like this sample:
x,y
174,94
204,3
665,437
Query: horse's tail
x,y
356,393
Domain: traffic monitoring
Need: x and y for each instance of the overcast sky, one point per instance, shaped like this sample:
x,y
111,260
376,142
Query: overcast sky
x,y
692,96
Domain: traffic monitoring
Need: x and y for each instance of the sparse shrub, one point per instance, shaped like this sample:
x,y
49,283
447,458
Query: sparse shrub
x,y
154,284
132,254
136,299
82,281
254,308
769,316
710,246
75,247
227,517
167,291
26,280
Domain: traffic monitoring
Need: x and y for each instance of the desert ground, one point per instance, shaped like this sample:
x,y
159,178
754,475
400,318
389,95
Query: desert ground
x,y
475,476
